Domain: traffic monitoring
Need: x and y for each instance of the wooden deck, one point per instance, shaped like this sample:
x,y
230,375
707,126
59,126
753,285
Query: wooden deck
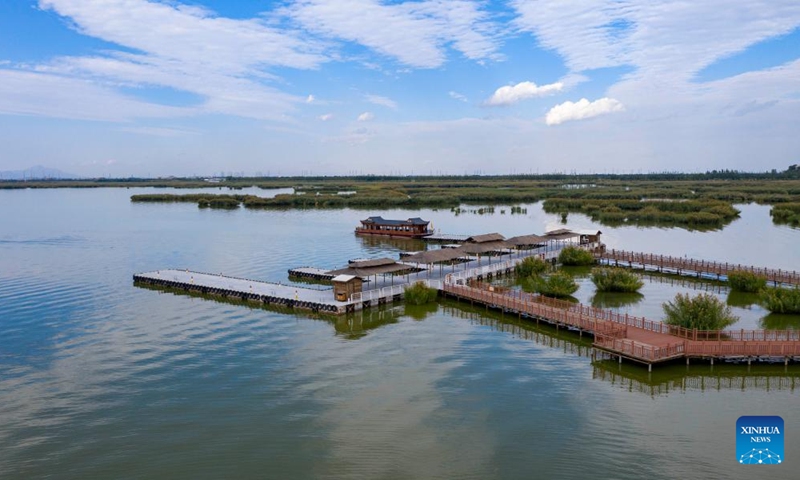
x,y
636,338
707,268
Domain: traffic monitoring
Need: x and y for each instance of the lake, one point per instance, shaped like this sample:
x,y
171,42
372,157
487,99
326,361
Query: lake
x,y
101,379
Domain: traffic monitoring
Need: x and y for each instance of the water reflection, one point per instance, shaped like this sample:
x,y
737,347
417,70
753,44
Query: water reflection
x,y
741,299
356,325
541,334
781,321
663,380
351,326
421,312
400,244
615,299
704,284
668,379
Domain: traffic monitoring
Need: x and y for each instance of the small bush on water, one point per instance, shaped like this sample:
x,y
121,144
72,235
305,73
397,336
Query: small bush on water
x,y
744,281
616,280
559,285
703,312
420,294
781,300
227,203
574,256
530,266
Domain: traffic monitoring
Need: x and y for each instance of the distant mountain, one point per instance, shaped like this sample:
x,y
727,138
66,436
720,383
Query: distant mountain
x,y
35,173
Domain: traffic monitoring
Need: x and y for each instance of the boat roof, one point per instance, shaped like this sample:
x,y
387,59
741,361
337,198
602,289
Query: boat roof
x,y
383,221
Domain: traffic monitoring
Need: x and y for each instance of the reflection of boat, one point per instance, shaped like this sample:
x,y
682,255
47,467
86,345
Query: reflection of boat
x,y
403,244
411,228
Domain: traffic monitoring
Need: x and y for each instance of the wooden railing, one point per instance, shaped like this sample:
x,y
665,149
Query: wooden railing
x,y
743,349
610,328
702,266
539,309
650,325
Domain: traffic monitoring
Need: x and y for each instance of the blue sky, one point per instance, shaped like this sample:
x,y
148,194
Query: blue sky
x,y
137,87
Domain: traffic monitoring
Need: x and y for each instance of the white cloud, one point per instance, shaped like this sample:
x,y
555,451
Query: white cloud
x,y
356,136
34,93
159,131
414,33
382,101
224,62
366,117
581,109
511,94
326,117
457,96
665,43
310,99
189,35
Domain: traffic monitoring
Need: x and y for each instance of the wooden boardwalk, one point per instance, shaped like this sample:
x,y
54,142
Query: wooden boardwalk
x,y
636,338
681,265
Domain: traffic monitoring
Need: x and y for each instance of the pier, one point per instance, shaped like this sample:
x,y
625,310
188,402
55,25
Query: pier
x,y
635,338
322,299
311,273
465,273
690,266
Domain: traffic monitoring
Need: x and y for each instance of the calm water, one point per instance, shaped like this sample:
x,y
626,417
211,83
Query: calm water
x,y
100,379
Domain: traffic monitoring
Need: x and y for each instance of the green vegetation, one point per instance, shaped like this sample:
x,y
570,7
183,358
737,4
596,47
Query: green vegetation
x,y
616,280
618,211
558,285
781,300
531,266
692,201
703,312
574,256
786,213
226,203
420,294
744,281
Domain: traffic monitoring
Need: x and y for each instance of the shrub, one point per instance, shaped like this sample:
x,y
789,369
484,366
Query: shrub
x,y
744,281
616,280
559,285
227,203
781,300
531,266
703,312
573,256
419,294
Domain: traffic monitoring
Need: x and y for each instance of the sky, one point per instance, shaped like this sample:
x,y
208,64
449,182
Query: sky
x,y
335,87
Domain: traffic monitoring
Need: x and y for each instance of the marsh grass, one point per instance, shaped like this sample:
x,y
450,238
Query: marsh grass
x,y
574,256
703,312
420,294
615,280
531,266
744,281
781,300
558,285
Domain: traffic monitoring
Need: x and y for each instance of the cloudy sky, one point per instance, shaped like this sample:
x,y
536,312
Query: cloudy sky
x,y
138,87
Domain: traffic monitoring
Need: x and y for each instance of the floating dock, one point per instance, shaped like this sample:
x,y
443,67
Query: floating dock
x,y
311,273
316,300
623,336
